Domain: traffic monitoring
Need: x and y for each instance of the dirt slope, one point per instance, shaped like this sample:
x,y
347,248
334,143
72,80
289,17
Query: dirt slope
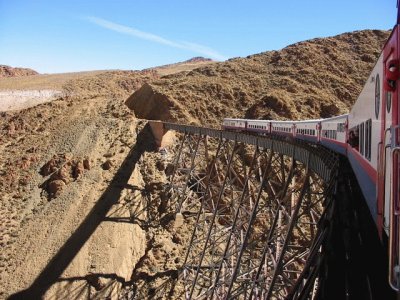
x,y
315,78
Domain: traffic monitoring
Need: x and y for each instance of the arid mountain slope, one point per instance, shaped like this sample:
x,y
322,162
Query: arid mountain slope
x,y
7,71
316,78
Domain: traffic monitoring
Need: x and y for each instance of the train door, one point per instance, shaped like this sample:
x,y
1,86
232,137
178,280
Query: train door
x,y
386,159
388,168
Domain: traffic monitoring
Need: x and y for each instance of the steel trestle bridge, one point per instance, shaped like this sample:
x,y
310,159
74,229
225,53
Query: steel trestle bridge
x,y
259,207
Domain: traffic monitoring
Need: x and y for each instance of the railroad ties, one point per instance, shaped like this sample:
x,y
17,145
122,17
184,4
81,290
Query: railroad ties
x,y
257,206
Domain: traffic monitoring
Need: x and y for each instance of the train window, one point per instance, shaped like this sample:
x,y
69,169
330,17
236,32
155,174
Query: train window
x,y
354,138
388,101
368,133
362,138
340,127
377,96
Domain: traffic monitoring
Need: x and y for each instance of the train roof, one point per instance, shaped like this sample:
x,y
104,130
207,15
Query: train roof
x,y
257,120
290,121
233,119
335,118
308,121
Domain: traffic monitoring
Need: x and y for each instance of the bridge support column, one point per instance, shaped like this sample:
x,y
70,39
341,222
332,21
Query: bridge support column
x,y
162,136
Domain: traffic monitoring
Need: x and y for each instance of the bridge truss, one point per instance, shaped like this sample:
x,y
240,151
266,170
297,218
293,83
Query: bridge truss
x,y
258,206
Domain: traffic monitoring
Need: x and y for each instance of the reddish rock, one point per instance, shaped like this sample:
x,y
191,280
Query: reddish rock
x,y
86,164
54,187
107,165
50,167
78,169
64,174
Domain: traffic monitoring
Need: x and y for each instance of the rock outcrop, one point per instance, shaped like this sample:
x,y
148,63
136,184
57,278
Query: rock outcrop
x,y
151,104
7,71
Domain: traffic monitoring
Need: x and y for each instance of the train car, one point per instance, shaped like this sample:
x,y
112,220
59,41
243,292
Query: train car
x,y
259,126
282,127
234,124
333,133
387,111
307,130
364,135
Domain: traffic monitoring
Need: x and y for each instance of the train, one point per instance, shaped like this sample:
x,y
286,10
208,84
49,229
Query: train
x,y
369,136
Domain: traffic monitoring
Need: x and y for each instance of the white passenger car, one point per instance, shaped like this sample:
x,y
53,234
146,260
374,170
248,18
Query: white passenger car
x,y
307,130
334,133
259,126
234,124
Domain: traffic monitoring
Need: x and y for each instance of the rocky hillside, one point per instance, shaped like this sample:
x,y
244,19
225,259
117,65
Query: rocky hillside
x,y
7,71
316,78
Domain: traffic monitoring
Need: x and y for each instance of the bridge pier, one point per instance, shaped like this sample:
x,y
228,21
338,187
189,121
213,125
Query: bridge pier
x,y
162,137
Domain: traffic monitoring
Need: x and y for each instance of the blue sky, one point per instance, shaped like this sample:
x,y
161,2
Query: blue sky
x,y
53,36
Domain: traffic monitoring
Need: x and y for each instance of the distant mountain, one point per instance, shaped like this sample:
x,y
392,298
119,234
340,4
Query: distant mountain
x,y
187,65
197,59
7,71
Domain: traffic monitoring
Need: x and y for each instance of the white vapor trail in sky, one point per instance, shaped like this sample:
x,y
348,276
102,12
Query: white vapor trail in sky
x,y
204,50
